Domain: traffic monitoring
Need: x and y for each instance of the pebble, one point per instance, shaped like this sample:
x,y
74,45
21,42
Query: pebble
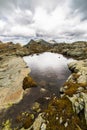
x,y
43,126
66,124
61,120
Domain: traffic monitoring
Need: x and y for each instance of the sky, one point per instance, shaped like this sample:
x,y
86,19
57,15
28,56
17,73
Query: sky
x,y
61,20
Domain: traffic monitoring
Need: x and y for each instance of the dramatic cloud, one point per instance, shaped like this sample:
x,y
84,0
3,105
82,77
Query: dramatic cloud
x,y
53,19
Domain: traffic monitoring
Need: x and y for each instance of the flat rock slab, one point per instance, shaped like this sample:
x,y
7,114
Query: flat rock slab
x,y
12,72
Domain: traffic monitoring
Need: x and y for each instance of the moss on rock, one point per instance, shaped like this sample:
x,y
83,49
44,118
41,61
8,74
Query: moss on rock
x,y
26,119
28,82
60,115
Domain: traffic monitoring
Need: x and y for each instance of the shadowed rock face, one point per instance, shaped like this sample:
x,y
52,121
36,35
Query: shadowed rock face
x,y
12,72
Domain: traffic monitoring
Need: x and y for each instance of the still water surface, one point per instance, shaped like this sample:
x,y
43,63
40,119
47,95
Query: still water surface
x,y
49,70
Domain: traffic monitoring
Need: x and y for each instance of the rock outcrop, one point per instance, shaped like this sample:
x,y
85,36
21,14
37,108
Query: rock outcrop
x,y
12,72
77,50
75,87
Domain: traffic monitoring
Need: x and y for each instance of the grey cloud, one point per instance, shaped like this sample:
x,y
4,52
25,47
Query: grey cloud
x,y
28,4
75,33
81,7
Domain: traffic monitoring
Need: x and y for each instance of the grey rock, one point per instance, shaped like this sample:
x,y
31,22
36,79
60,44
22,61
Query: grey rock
x,y
85,104
12,72
43,126
66,124
82,79
61,120
38,123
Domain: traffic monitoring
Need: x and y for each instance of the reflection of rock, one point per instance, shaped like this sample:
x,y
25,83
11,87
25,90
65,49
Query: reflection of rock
x,y
52,84
12,72
61,76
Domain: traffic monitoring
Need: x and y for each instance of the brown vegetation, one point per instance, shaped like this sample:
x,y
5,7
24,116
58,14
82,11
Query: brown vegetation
x,y
28,82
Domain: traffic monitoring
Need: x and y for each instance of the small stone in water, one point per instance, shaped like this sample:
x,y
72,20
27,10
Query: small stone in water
x,y
47,98
42,90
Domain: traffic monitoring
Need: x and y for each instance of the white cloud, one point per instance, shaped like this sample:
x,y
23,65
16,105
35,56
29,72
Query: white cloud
x,y
2,25
55,19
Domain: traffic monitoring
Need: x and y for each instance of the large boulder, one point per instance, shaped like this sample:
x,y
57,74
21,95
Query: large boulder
x,y
12,72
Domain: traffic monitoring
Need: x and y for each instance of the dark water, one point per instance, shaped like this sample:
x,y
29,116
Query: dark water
x,y
50,71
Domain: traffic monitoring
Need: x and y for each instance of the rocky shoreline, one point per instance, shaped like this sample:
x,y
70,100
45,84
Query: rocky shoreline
x,y
12,72
64,113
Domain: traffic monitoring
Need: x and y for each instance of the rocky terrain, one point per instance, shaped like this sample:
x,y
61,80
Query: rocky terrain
x,y
64,113
77,50
12,72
